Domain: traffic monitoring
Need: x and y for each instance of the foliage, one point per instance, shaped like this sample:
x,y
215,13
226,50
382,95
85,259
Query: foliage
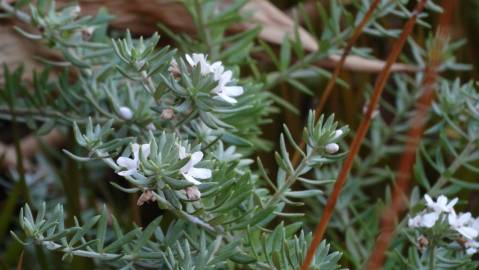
x,y
181,127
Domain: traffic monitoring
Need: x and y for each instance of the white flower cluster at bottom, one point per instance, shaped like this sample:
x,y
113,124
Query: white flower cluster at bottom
x,y
442,209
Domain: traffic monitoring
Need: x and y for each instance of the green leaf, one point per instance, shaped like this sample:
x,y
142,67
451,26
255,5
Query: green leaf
x,y
147,233
125,239
101,229
303,193
285,53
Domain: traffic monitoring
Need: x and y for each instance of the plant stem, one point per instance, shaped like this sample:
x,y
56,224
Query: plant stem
x,y
455,165
289,181
432,255
19,14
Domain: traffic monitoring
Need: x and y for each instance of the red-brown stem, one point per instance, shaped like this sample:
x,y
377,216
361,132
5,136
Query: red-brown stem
x,y
408,158
362,130
332,81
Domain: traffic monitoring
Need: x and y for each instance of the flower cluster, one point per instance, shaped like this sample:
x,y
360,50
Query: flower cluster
x,y
442,210
190,173
224,90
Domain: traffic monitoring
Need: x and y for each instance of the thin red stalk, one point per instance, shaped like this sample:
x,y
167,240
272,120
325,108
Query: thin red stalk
x,y
332,81
362,130
408,158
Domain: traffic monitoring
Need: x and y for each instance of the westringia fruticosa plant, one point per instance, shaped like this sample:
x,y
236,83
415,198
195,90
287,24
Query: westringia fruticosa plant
x,y
161,170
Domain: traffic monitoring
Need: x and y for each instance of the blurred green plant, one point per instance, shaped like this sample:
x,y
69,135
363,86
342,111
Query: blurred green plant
x,y
181,126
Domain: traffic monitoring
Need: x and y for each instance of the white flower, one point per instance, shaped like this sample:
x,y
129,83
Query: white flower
x,y
461,224
224,90
441,205
331,148
131,164
426,220
126,113
471,247
189,172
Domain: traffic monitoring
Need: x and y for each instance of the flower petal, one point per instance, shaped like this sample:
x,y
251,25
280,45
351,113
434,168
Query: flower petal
x,y
200,173
429,200
452,219
227,98
471,251
145,150
127,172
127,163
464,218
442,201
190,179
182,152
196,157
226,77
428,220
233,90
451,204
414,222
190,60
136,149
468,232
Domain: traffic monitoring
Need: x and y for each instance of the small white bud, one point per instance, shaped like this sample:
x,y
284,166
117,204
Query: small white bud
x,y
126,113
338,133
331,148
193,193
76,11
151,127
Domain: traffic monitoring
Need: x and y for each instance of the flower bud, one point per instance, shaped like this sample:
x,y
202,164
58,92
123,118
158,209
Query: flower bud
x,y
423,242
338,133
167,114
146,196
151,127
174,69
331,148
193,193
126,113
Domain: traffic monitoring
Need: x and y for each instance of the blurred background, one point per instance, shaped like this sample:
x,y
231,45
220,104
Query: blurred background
x,y
51,176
